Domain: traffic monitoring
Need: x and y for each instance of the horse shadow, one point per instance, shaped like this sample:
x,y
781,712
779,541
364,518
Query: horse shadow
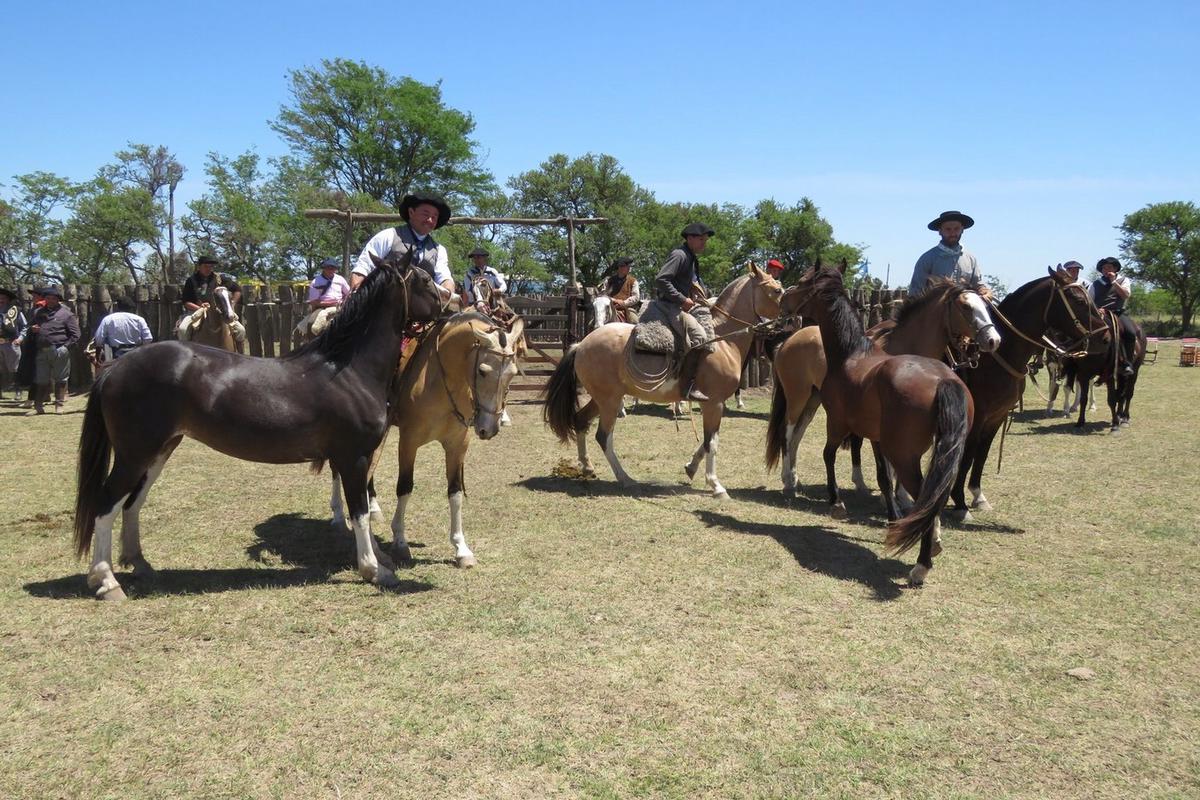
x,y
308,550
824,550
1066,426
592,487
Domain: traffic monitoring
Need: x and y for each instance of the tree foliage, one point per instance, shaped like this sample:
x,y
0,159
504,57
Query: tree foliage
x,y
30,227
1161,245
100,242
158,172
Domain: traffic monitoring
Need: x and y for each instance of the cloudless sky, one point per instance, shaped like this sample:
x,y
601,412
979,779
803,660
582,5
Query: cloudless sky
x,y
1047,122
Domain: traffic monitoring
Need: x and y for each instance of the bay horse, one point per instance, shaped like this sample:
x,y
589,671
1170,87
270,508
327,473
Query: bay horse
x,y
902,403
455,382
1054,304
326,401
597,365
212,322
940,319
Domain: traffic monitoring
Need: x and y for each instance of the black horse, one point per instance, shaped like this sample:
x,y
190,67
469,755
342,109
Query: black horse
x,y
1104,368
327,401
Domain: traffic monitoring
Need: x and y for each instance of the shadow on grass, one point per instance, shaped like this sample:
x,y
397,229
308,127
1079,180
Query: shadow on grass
x,y
579,487
311,551
1065,426
824,550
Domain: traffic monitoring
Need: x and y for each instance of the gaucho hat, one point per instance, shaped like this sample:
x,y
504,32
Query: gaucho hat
x,y
52,290
479,251
697,229
411,201
12,295
621,262
336,263
1109,260
951,216
1072,265
208,258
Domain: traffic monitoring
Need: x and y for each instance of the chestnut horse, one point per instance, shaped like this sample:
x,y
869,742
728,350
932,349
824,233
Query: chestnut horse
x,y
903,404
597,365
942,317
326,401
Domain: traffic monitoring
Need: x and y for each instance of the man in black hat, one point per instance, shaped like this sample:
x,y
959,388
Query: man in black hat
x,y
480,270
425,214
676,283
12,333
1109,292
198,293
56,329
948,259
622,287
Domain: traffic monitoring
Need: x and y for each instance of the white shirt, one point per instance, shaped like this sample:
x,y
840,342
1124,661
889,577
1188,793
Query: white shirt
x,y
122,329
381,244
493,277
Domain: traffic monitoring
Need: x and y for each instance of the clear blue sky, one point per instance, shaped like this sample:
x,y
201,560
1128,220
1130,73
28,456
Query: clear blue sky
x,y
1047,122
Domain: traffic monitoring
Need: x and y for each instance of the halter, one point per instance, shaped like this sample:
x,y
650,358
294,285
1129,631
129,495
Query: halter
x,y
479,352
962,355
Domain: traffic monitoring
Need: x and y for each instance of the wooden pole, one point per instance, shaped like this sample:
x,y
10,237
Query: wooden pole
x,y
347,240
573,286
355,217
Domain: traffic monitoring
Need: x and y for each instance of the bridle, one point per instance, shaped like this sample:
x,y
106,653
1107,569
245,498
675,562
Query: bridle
x,y
480,351
958,354
1085,333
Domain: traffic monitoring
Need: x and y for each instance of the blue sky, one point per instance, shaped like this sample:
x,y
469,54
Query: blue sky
x,y
1047,122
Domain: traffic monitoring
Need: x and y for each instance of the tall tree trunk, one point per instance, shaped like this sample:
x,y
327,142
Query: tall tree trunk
x,y
170,265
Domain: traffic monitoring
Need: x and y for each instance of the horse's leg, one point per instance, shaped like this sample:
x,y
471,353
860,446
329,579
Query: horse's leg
x,y
712,412
856,473
961,512
1082,401
604,437
124,479
884,476
456,454
338,519
978,501
795,433
354,484
131,533
407,457
908,472
737,395
837,509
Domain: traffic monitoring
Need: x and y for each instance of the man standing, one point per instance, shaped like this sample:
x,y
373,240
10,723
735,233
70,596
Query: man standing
x,y
1109,292
622,287
674,285
480,270
425,214
948,259
12,333
198,294
56,329
121,331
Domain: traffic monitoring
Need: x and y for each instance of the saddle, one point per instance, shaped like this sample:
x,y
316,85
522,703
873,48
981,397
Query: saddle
x,y
316,322
663,340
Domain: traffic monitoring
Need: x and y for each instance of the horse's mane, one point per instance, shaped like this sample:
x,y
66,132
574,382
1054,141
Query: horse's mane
x,y
1013,298
938,289
830,287
731,287
339,342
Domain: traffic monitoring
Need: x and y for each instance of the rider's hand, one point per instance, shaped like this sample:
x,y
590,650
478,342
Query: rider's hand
x,y
985,293
688,304
204,305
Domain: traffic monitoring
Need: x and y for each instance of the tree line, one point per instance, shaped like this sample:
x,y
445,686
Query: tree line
x,y
359,139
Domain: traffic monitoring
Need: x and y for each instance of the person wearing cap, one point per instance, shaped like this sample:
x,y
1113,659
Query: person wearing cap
x,y
478,271
1073,269
676,283
775,269
1109,292
425,214
948,259
326,294
198,293
622,287
12,334
121,331
56,329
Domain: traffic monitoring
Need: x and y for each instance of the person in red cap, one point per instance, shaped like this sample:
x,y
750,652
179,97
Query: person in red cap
x,y
775,269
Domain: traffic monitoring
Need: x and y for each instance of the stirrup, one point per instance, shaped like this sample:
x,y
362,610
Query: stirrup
x,y
695,394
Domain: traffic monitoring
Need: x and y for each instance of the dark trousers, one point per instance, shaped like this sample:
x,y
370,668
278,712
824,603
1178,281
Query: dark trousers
x,y
1128,336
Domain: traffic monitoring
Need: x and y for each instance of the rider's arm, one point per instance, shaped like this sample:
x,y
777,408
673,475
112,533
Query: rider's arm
x,y
1122,287
500,285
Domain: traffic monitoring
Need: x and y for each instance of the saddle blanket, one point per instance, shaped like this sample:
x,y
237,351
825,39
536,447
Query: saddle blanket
x,y
664,329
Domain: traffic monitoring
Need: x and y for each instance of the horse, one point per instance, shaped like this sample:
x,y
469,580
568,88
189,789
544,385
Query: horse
x,y
463,364
210,324
1103,368
598,366
604,313
326,401
902,403
940,319
1051,304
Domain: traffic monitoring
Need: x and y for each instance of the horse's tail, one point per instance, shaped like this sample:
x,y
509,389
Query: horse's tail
x,y
950,405
561,396
777,427
95,449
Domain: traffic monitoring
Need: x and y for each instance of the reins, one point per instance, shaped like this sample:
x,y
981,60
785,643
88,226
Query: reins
x,y
474,390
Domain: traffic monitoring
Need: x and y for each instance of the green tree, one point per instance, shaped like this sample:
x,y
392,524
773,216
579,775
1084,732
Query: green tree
x,y
367,132
797,235
158,172
102,239
1161,245
29,226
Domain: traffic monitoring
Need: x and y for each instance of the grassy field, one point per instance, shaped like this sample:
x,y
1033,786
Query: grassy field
x,y
615,644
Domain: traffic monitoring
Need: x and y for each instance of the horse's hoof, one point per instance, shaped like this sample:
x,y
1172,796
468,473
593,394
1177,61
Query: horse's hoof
x,y
935,550
112,595
143,571
401,554
959,515
385,578
465,562
339,524
838,511
981,505
1115,429
721,495
916,576
690,470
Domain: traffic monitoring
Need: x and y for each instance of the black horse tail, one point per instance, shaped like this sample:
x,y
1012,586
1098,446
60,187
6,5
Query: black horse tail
x,y
95,449
777,426
561,396
950,405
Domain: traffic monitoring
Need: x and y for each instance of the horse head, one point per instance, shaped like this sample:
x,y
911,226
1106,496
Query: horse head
x,y
423,299
493,363
223,303
756,294
1071,313
817,282
603,310
969,319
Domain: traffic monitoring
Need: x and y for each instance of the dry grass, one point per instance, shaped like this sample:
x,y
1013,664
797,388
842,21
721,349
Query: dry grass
x,y
616,644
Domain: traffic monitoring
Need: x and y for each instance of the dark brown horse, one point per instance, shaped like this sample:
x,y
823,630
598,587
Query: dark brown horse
x,y
1051,305
1104,368
327,401
903,404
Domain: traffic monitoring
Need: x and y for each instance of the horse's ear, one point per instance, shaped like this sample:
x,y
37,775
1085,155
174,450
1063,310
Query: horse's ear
x,y
754,270
376,260
843,266
1059,274
516,331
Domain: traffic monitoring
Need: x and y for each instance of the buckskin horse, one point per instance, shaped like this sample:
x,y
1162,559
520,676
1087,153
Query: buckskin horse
x,y
455,382
598,366
902,404
212,322
940,319
326,401
1054,304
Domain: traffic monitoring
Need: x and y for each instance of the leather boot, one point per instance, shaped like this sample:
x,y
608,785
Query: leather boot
x,y
60,397
687,374
40,394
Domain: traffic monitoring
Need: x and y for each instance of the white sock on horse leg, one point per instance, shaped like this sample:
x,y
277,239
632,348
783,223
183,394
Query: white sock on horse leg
x,y
100,577
710,467
462,553
335,502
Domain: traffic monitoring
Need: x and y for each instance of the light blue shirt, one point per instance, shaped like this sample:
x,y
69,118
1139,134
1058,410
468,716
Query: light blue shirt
x,y
944,262
122,329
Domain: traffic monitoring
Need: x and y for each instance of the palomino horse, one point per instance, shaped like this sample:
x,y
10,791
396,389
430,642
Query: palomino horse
x,y
1051,304
902,403
597,364
326,401
946,315
211,323
604,313
455,382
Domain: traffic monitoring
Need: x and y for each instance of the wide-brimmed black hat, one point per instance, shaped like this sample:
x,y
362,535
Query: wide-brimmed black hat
x,y
622,262
413,200
208,258
479,251
336,263
697,229
52,290
12,294
1108,260
951,216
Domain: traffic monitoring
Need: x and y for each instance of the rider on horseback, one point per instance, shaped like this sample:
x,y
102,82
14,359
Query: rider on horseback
x,y
621,286
480,270
326,294
198,293
675,284
425,213
1109,292
948,259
